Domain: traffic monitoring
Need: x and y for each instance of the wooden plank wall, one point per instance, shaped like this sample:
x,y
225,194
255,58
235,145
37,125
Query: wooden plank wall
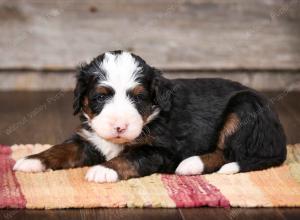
x,y
179,36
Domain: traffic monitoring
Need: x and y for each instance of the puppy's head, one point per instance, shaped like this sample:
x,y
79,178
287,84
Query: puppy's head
x,y
118,93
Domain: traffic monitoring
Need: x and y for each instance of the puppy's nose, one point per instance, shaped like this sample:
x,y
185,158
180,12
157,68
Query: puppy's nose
x,y
121,128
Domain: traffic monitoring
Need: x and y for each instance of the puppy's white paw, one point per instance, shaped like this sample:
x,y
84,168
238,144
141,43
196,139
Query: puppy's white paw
x,y
29,165
229,168
190,166
101,174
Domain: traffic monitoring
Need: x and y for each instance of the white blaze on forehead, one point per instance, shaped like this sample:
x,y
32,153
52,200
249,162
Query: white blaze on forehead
x,y
121,70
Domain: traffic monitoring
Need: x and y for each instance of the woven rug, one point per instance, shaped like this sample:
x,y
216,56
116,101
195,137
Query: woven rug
x,y
275,187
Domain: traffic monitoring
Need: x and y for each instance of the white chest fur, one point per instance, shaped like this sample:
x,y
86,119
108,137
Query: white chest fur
x,y
108,149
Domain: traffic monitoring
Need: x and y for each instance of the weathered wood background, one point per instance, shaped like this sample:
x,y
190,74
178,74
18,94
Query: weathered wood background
x,y
186,38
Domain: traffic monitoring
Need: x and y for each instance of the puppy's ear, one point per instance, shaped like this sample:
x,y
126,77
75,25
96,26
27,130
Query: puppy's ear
x,y
80,90
161,90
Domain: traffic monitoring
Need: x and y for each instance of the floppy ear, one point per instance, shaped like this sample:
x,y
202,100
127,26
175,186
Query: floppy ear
x,y
162,91
80,90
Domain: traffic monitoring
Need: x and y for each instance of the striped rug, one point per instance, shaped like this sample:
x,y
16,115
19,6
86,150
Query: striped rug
x,y
275,187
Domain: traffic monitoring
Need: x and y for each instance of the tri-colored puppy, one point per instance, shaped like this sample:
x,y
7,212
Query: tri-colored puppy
x,y
135,122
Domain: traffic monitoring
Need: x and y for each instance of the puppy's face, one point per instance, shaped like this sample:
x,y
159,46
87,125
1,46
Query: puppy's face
x,y
115,94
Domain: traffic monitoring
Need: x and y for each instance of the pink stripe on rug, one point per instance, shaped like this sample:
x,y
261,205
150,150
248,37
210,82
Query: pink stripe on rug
x,y
193,191
10,191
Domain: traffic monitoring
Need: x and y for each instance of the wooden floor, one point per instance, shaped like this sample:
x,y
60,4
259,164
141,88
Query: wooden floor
x,y
46,117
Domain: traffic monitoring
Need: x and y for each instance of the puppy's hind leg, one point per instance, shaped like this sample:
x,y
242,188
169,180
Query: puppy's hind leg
x,y
229,168
190,166
206,163
215,160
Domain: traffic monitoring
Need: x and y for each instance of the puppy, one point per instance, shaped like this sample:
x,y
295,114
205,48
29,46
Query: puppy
x,y
135,122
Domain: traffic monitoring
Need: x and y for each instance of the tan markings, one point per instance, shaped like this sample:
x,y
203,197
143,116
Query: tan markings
x,y
61,156
144,139
213,161
118,140
85,101
123,167
230,126
145,116
138,90
86,108
102,90
150,116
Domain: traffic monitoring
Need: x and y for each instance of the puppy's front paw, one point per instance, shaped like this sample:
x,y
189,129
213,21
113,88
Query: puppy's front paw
x,y
29,165
101,174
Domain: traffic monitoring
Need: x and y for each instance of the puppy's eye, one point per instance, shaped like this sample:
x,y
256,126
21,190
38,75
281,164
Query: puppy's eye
x,y
103,93
139,97
100,97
